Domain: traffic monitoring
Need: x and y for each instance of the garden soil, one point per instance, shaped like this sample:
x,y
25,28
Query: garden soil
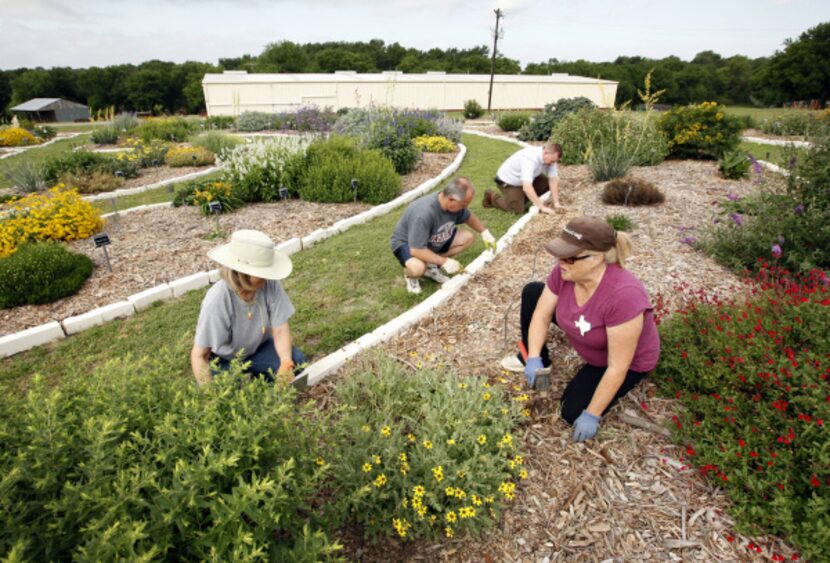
x,y
629,495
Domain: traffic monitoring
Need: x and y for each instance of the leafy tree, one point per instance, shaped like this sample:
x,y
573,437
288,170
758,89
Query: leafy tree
x,y
802,70
330,60
284,56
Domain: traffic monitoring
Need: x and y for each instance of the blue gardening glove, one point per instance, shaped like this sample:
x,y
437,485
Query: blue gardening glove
x,y
532,364
585,426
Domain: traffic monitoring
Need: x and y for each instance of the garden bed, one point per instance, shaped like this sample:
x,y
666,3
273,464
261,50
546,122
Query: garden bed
x,y
150,247
624,496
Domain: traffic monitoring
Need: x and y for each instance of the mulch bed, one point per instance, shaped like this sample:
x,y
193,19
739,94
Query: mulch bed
x,y
626,496
155,246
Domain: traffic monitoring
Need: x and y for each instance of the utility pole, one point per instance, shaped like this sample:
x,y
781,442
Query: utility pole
x,y
499,15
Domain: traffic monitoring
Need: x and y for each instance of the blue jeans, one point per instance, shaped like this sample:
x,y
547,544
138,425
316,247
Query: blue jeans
x,y
264,359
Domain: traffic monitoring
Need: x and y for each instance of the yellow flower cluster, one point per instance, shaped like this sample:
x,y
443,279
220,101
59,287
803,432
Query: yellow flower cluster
x,y
58,214
214,190
508,489
401,526
433,143
17,137
189,156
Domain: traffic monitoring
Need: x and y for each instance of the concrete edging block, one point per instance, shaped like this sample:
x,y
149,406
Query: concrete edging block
x,y
117,310
291,246
189,283
26,339
145,298
84,321
325,366
314,237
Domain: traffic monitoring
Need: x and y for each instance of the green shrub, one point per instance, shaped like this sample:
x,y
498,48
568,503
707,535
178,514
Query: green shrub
x,y
107,135
44,132
134,462
215,141
220,122
332,164
620,222
401,152
170,129
250,121
125,122
631,191
473,109
96,181
541,125
86,162
188,156
580,132
258,170
27,175
429,454
41,272
796,122
512,120
734,165
751,374
701,131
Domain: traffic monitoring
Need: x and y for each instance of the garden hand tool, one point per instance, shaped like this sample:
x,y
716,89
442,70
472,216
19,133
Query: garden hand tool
x,y
538,376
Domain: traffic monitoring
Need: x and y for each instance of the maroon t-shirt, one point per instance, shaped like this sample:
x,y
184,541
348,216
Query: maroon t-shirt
x,y
619,298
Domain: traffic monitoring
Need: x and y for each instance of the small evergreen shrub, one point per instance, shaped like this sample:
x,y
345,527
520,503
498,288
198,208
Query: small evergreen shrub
x,y
541,125
107,135
41,272
734,165
429,454
133,462
434,143
473,109
620,222
188,156
96,181
401,152
512,120
631,191
332,164
701,131
215,141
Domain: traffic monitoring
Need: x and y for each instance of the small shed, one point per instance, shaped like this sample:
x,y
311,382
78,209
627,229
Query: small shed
x,y
52,109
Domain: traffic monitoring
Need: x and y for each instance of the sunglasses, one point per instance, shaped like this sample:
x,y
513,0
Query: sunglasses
x,y
573,259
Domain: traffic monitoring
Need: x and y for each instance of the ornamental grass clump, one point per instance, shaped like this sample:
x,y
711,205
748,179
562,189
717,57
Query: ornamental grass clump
x,y
631,191
752,375
41,272
133,462
429,454
57,214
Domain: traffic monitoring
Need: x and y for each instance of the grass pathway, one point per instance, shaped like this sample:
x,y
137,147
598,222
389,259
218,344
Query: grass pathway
x,y
342,288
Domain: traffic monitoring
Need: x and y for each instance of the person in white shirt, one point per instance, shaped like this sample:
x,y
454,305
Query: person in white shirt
x,y
526,175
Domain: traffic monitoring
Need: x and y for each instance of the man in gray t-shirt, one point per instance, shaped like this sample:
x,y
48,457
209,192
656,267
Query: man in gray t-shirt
x,y
426,236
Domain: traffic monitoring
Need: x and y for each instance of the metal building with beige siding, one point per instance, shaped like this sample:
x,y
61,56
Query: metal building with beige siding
x,y
234,92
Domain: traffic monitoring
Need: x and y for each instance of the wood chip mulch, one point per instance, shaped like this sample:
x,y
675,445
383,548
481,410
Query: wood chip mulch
x,y
629,495
155,246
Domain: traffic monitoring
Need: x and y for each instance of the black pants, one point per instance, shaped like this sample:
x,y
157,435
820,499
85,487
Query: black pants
x,y
580,390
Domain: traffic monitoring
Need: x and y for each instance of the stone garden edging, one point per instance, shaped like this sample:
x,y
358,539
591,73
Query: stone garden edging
x,y
52,331
20,150
777,142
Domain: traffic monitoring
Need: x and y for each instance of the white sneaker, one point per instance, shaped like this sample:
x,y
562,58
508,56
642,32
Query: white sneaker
x,y
512,363
412,284
435,274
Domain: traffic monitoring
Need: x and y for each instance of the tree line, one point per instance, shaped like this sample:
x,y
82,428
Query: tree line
x,y
799,71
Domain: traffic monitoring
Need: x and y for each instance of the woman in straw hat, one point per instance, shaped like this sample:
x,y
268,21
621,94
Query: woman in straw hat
x,y
605,313
247,311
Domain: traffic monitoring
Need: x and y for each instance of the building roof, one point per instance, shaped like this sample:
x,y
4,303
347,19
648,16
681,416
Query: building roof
x,y
236,77
46,104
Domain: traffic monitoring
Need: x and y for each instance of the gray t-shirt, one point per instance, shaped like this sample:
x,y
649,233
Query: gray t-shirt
x,y
425,225
524,166
228,324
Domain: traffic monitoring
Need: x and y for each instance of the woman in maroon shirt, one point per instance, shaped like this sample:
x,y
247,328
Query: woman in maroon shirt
x,y
605,313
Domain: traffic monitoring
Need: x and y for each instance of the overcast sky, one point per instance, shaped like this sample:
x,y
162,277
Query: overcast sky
x,y
83,33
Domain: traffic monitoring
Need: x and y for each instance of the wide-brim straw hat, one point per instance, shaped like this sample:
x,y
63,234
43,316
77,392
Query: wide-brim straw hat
x,y
253,253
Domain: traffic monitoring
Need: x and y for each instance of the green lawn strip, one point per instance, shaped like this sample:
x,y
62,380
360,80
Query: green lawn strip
x,y
156,195
776,154
39,155
342,288
759,114
78,127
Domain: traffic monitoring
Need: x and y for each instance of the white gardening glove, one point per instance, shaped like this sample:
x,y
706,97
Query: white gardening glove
x,y
489,240
451,266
